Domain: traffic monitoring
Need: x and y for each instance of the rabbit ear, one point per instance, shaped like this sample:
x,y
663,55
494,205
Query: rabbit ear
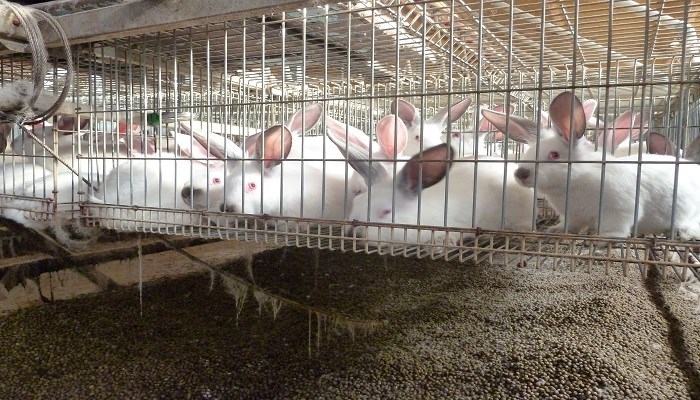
x,y
567,116
386,127
354,145
453,112
407,112
692,151
273,146
425,169
486,126
305,119
626,126
250,143
589,107
219,146
358,158
639,126
197,151
342,135
660,144
519,129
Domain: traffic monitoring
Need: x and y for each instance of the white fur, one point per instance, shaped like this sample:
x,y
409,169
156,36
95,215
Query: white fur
x,y
427,133
274,186
157,181
388,203
35,211
619,188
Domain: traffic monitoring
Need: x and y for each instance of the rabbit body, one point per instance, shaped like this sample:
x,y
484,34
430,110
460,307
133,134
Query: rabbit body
x,y
389,203
252,190
617,209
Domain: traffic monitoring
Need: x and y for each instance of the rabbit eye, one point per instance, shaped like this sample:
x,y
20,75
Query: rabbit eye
x,y
417,138
553,155
217,180
250,187
385,213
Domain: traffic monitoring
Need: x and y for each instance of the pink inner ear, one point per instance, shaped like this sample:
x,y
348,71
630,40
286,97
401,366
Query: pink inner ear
x,y
498,136
344,132
623,129
406,111
568,126
589,107
386,127
484,125
250,143
277,145
305,119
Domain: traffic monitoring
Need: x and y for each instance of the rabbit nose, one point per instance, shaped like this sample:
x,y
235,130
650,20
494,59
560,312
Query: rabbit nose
x,y
228,208
522,173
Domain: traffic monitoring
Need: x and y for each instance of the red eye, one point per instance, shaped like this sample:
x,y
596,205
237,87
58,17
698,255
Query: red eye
x,y
217,180
417,138
250,187
553,155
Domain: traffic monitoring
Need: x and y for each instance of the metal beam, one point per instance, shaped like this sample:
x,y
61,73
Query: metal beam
x,y
147,16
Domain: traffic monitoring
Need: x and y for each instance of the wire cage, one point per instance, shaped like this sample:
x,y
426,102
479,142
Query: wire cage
x,y
143,101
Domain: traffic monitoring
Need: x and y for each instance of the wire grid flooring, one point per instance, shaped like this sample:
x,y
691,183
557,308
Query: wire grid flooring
x,y
522,249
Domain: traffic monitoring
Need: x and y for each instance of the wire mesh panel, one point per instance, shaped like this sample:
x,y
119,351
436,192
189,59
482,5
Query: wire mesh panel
x,y
407,128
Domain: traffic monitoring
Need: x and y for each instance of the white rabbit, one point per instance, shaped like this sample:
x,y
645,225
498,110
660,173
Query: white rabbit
x,y
68,147
619,187
158,181
425,134
273,185
316,150
15,172
35,211
207,194
397,201
392,136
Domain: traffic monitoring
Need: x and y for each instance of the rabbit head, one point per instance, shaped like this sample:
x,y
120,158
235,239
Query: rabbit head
x,y
391,134
427,133
563,141
244,191
219,154
397,201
